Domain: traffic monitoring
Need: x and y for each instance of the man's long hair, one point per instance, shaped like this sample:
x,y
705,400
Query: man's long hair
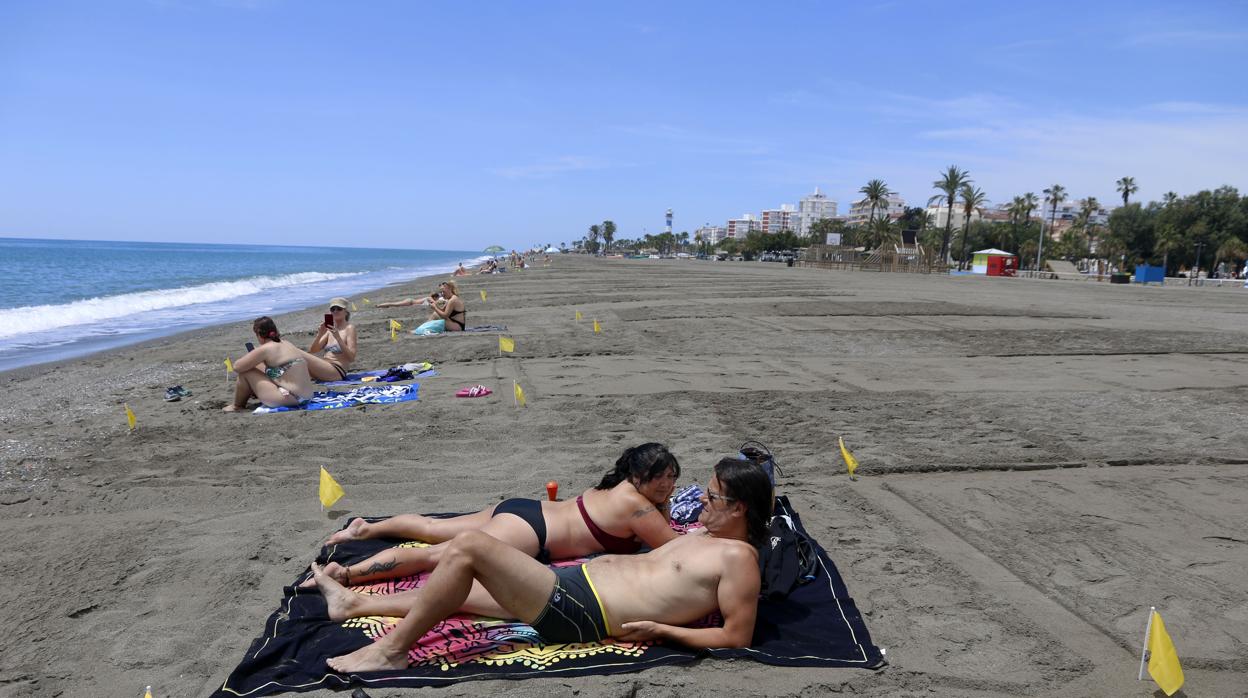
x,y
747,482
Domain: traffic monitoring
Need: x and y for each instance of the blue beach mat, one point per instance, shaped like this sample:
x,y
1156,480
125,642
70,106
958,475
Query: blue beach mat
x,y
363,395
469,330
356,378
818,625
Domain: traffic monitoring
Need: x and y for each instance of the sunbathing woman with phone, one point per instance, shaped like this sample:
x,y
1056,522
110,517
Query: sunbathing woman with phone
x,y
275,372
334,348
626,510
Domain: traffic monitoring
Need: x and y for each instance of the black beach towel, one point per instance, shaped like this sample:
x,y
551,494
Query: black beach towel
x,y
817,625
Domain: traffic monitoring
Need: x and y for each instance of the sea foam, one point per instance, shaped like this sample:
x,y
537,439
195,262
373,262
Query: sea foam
x,y
41,318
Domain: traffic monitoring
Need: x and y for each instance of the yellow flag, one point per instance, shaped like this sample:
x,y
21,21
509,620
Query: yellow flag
x,y
578,316
506,344
519,394
366,300
130,418
1163,661
148,692
396,325
331,491
851,463
353,308
229,365
597,327
482,294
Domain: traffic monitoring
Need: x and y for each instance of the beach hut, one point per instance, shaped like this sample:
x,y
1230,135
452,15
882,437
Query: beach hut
x,y
994,262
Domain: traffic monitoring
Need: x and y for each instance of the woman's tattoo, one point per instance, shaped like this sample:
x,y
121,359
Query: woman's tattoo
x,y
642,512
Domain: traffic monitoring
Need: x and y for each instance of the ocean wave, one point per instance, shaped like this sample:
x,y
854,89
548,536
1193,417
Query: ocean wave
x,y
41,318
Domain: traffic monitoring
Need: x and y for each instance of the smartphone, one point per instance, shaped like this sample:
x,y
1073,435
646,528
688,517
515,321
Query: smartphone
x,y
250,346
329,319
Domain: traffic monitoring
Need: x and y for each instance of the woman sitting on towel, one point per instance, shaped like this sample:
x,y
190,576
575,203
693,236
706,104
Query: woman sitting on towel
x,y
334,348
447,314
275,372
627,509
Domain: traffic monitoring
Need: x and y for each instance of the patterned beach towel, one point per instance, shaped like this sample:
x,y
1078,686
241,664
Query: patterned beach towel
x,y
363,395
358,377
818,625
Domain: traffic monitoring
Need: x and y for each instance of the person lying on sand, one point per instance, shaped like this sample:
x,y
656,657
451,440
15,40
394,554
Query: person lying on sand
x,y
334,348
627,508
427,300
283,381
630,597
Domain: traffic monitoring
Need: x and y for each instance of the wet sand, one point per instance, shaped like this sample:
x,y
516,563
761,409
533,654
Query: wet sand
x,y
1041,461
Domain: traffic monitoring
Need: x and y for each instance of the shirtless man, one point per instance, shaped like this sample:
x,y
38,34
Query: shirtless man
x,y
630,597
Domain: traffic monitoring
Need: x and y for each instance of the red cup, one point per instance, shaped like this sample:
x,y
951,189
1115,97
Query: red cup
x,y
552,490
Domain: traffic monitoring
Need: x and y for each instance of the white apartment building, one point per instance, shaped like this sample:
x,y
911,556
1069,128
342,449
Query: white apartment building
x,y
1069,211
774,220
939,214
860,211
740,227
712,234
811,208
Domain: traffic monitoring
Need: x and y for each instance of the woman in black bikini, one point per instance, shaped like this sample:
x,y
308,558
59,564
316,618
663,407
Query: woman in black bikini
x,y
451,309
334,348
627,509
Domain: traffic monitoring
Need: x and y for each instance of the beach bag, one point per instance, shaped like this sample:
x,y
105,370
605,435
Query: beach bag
x,y
757,452
788,559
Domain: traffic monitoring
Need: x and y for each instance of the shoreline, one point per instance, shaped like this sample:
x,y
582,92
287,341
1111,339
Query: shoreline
x,y
993,582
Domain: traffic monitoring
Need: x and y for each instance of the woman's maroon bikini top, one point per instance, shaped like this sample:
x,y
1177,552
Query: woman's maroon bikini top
x,y
609,543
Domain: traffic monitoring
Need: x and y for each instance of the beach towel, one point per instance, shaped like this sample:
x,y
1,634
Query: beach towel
x,y
817,625
363,395
358,377
474,328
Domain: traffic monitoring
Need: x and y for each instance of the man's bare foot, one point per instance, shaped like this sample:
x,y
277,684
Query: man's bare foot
x,y
374,657
353,531
333,570
341,601
232,408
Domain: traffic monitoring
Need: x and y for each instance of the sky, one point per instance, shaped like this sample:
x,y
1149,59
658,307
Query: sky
x,y
450,125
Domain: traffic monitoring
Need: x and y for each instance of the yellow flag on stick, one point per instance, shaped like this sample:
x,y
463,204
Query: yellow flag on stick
x,y
229,365
483,294
519,395
331,491
597,327
578,316
395,326
130,418
506,344
851,463
366,300
148,692
353,308
1163,660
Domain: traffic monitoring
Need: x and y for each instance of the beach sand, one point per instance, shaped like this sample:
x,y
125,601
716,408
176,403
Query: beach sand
x,y
1041,462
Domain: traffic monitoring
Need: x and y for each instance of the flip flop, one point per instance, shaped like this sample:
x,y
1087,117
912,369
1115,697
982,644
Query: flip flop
x,y
474,391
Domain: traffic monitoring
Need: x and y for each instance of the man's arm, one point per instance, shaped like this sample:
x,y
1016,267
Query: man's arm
x,y
738,604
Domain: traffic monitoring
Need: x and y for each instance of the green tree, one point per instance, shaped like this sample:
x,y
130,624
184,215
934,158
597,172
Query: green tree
x,y
608,233
973,199
591,240
876,192
949,184
880,234
1127,187
1054,195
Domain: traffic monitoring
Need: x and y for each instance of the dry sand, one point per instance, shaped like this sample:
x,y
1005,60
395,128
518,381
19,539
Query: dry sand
x,y
1041,462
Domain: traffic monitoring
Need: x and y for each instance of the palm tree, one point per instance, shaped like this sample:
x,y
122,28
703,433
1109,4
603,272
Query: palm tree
x,y
880,232
608,233
1127,187
876,192
1018,213
950,184
594,232
1169,198
973,199
1088,207
1055,195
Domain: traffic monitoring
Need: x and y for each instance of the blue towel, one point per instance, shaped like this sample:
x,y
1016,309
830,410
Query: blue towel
x,y
363,395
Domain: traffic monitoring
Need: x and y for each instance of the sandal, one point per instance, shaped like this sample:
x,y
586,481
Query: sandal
x,y
474,391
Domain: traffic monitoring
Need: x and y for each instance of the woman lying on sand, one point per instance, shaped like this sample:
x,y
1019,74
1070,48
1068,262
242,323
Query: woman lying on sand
x,y
628,508
283,382
334,349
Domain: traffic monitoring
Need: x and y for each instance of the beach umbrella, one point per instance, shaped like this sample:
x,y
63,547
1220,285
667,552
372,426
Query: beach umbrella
x,y
495,249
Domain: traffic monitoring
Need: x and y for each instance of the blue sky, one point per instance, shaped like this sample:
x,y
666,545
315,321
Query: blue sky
x,y
457,125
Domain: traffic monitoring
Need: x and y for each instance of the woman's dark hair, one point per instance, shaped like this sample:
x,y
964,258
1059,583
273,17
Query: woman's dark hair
x,y
640,463
747,482
265,327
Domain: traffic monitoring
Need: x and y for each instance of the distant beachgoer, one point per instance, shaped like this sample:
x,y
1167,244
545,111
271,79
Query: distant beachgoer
x,y
448,314
626,509
460,271
334,348
283,381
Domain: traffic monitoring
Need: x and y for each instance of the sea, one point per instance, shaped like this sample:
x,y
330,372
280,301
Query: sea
x,y
65,298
